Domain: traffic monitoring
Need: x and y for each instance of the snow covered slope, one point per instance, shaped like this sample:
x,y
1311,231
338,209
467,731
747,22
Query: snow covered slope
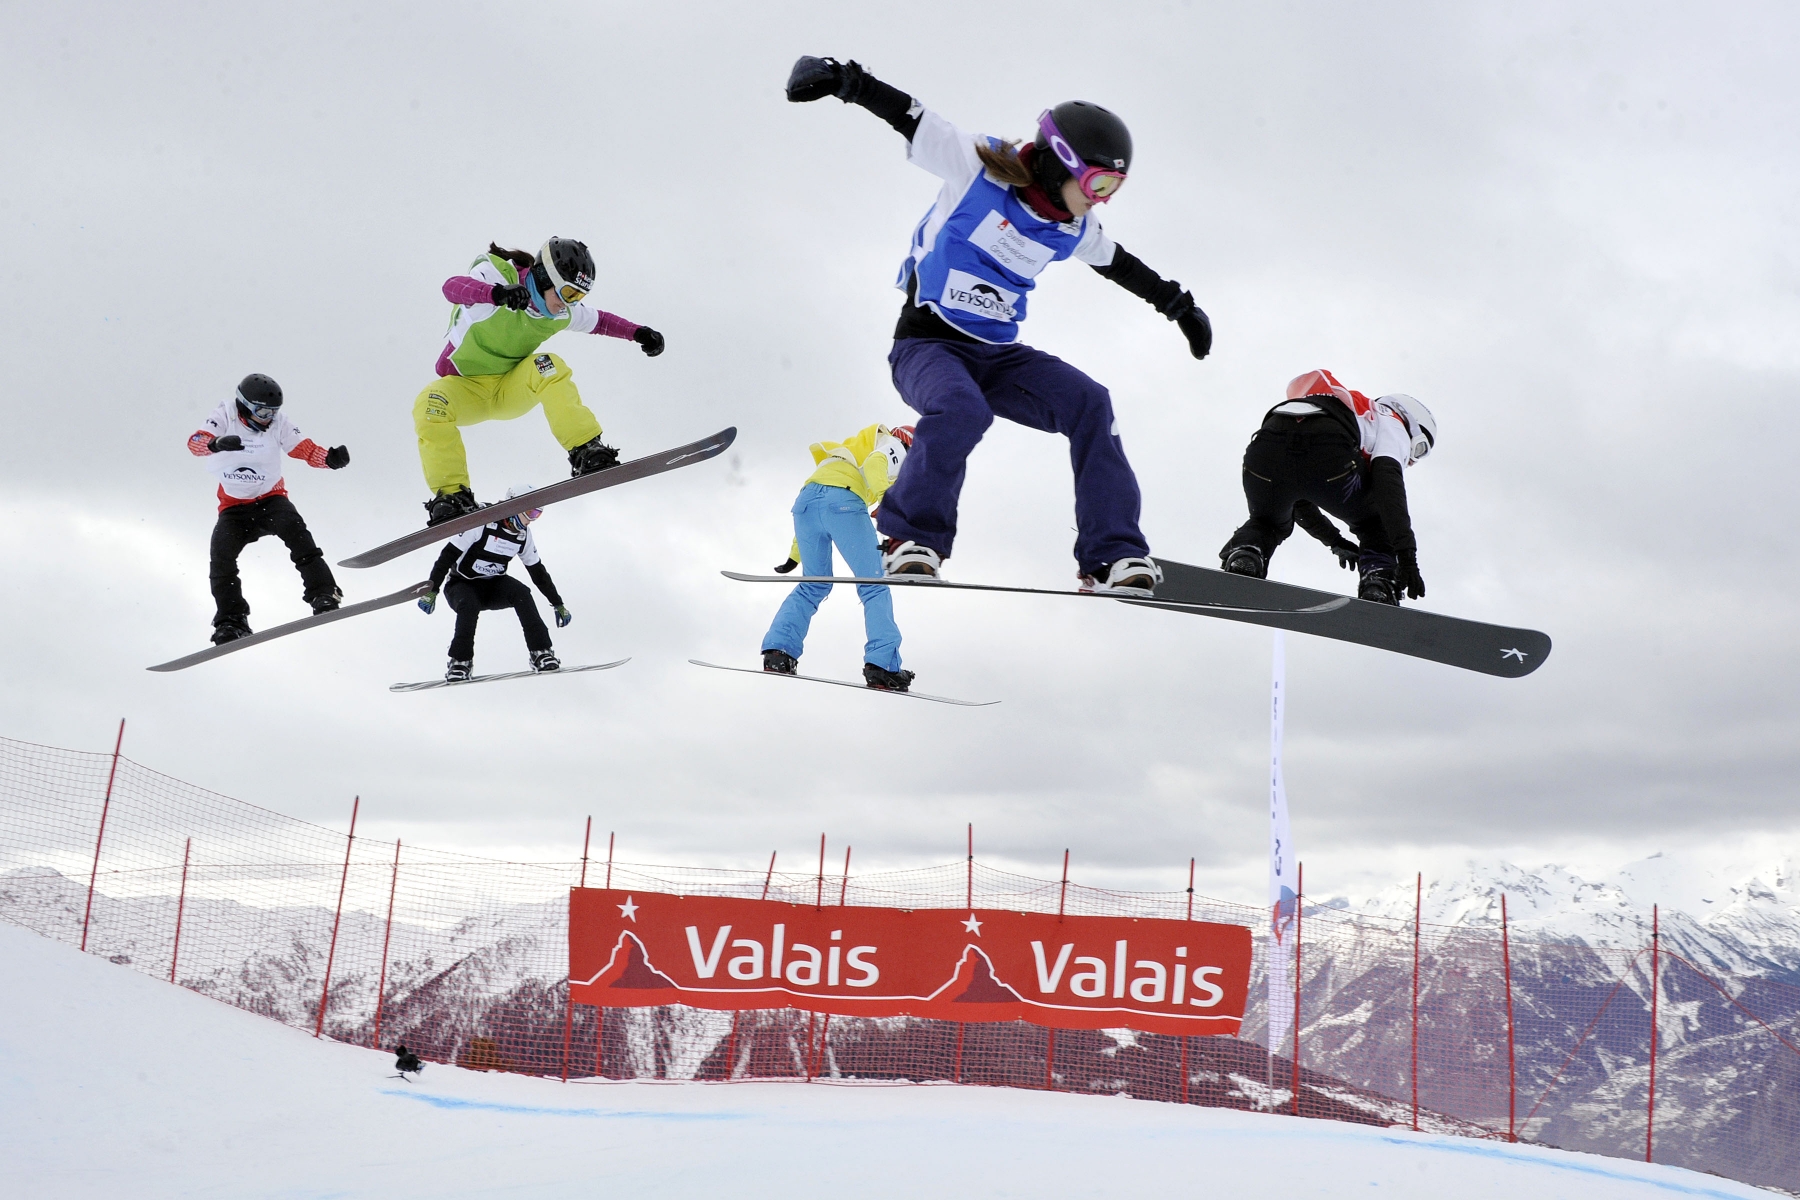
x,y
114,1084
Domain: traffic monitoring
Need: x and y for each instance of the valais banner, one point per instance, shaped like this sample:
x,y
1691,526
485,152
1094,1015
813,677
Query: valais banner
x,y
631,949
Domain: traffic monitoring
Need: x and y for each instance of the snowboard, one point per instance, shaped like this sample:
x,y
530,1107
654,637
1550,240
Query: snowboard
x,y
637,468
430,684
269,635
1471,645
862,687
1325,605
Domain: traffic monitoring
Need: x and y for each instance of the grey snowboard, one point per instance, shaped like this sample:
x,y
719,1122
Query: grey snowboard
x,y
1471,645
637,468
430,684
861,687
269,635
925,581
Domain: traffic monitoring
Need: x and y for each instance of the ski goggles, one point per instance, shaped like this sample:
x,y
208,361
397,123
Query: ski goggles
x,y
521,520
261,414
571,292
1096,183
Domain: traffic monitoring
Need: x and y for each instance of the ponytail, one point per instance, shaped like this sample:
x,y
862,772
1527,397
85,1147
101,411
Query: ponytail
x,y
1004,163
524,260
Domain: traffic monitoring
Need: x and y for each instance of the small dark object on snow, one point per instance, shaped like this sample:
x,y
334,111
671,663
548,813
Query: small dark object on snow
x,y
406,1062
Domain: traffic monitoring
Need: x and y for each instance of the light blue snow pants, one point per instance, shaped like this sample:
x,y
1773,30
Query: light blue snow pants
x,y
823,517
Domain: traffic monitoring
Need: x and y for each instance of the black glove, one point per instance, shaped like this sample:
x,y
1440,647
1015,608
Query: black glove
x,y
1407,576
338,457
514,296
226,444
1196,328
1347,553
787,566
816,78
649,339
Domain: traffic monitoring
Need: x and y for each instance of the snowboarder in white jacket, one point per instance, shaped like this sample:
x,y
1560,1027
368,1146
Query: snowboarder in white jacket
x,y
471,570
243,442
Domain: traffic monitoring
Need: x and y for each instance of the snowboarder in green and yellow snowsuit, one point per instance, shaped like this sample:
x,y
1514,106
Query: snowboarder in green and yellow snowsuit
x,y
508,305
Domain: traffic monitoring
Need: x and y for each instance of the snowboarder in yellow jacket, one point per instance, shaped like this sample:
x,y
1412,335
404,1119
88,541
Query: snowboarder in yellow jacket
x,y
833,509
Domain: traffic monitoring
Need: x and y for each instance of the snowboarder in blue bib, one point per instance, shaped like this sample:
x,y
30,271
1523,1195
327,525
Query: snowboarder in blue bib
x,y
1006,212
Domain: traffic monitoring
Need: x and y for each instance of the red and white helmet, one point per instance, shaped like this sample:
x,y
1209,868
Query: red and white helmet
x,y
1420,424
1318,383
894,443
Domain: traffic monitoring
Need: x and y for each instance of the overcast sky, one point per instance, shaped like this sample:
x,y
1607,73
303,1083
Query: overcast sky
x,y
1570,229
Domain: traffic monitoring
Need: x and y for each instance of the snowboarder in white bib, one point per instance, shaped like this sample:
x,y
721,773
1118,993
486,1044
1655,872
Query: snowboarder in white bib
x,y
1328,449
507,305
1005,213
243,442
833,509
475,565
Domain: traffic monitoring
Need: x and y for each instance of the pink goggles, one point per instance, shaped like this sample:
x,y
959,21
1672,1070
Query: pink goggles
x,y
1098,184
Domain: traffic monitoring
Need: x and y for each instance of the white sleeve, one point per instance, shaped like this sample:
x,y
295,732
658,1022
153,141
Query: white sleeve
x,y
1095,248
944,150
1391,439
528,557
583,319
487,272
287,433
219,420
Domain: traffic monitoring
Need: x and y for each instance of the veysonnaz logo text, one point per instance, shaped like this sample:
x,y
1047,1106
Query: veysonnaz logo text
x,y
971,294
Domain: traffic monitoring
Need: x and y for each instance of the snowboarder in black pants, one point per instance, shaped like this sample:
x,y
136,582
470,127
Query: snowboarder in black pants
x,y
1332,449
242,442
475,564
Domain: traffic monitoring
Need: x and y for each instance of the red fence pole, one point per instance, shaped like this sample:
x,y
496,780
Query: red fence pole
x,y
969,899
844,888
585,838
1062,898
180,907
1512,1074
731,1042
1184,1041
609,850
343,882
386,940
1418,908
105,807
1655,990
770,874
1299,916
819,892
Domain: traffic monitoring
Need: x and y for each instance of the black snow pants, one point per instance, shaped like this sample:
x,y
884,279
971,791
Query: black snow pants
x,y
1308,458
471,597
241,524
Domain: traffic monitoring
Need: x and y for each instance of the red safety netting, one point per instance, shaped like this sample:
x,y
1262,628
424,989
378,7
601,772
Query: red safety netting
x,y
1454,1029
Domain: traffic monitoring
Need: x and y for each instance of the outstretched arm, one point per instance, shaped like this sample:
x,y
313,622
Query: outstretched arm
x,y
1387,493
816,78
1165,295
445,559
540,575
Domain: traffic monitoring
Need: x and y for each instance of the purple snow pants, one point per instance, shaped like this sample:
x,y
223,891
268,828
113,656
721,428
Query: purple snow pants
x,y
958,388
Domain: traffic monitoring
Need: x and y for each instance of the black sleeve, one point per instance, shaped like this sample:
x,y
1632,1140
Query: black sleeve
x,y
1308,517
540,575
445,560
884,100
1387,492
1129,272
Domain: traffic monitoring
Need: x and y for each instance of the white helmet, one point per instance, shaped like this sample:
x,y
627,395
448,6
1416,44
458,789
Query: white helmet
x,y
894,443
519,521
1419,422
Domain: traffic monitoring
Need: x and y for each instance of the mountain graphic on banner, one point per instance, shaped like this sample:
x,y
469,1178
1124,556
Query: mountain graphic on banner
x,y
975,972
634,973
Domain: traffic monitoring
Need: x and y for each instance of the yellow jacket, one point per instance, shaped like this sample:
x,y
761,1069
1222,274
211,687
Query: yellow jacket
x,y
855,463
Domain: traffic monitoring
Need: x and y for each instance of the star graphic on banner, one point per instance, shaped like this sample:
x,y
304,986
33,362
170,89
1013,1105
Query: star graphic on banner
x,y
1513,653
973,925
628,910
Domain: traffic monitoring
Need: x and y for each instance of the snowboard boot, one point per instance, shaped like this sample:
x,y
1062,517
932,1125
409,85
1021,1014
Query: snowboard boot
x,y
229,631
885,680
1378,585
545,660
458,670
446,506
327,603
592,456
1129,576
1245,560
909,558
780,662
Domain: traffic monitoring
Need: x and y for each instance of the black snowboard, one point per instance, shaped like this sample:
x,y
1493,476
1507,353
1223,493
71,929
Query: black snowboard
x,y
637,468
269,635
936,583
1471,645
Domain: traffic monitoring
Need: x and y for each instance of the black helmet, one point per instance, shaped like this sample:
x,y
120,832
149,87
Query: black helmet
x,y
565,267
1096,135
258,399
